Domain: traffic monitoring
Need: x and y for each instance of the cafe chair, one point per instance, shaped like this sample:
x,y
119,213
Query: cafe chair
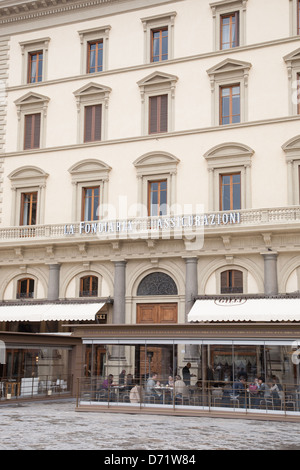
x,y
288,402
267,403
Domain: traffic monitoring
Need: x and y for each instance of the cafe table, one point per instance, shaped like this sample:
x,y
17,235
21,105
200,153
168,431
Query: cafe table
x,y
163,389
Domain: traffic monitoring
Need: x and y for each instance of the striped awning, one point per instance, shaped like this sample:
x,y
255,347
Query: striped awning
x,y
245,310
50,312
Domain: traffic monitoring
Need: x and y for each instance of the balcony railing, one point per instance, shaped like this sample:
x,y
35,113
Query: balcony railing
x,y
156,227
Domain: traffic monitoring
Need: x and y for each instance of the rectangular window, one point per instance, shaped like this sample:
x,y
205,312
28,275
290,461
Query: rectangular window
x,y
159,44
92,123
32,131
88,286
35,67
230,105
95,56
25,289
28,208
232,282
157,198
90,203
230,192
229,31
158,114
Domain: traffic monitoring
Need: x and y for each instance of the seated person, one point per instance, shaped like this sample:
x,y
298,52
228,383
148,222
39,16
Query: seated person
x,y
180,388
150,387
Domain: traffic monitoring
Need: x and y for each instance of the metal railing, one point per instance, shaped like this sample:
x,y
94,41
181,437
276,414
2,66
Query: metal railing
x,y
34,387
226,396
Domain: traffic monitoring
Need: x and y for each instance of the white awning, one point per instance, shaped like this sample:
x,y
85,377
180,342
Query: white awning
x,y
245,310
50,312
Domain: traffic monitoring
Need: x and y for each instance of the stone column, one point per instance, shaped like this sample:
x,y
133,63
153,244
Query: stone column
x,y
53,285
270,273
191,283
118,352
191,291
119,292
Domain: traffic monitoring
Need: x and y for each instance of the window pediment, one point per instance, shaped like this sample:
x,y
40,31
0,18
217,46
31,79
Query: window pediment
x,y
92,89
153,162
32,99
28,173
158,78
229,66
292,144
230,153
89,169
293,56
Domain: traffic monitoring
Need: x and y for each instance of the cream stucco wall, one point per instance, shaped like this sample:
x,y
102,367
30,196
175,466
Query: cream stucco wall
x,y
267,126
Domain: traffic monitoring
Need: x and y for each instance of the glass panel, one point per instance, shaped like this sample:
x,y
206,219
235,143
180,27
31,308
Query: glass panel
x,y
92,58
236,192
155,46
225,34
254,376
32,371
100,57
225,109
33,69
234,35
236,104
40,68
165,45
225,193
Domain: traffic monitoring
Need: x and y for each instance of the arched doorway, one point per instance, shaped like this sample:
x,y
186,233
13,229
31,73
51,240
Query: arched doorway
x,y
158,287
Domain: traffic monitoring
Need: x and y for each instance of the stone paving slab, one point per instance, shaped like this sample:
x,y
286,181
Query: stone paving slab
x,y
57,426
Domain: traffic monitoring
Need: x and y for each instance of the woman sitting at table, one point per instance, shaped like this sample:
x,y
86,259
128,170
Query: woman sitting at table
x,y
180,389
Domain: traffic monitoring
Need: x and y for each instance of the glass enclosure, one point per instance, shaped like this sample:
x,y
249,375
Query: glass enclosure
x,y
260,376
31,371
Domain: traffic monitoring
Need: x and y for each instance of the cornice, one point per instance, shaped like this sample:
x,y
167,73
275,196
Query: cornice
x,y
12,11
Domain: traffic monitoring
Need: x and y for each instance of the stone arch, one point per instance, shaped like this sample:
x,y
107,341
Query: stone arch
x,y
157,283
74,274
246,266
37,275
171,269
286,271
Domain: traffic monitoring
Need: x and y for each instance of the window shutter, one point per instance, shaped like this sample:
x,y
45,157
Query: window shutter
x,y
232,282
32,131
238,281
28,132
158,114
97,120
164,113
88,124
153,124
93,123
237,29
36,130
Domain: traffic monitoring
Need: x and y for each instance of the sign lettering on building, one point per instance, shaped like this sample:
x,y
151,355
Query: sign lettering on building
x,y
160,223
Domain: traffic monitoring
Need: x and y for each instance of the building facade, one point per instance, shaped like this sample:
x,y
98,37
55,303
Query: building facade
x,y
196,193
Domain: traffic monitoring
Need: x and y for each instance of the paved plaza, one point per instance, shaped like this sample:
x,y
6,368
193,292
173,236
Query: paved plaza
x,y
57,426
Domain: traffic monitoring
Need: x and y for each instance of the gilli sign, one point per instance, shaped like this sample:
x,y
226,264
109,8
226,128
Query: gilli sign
x,y
166,224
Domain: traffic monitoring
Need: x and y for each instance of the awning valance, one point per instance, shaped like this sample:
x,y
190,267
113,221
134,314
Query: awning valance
x,y
50,312
245,310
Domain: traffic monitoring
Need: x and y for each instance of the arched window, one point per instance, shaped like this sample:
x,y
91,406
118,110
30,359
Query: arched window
x,y
88,286
25,288
232,282
157,284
